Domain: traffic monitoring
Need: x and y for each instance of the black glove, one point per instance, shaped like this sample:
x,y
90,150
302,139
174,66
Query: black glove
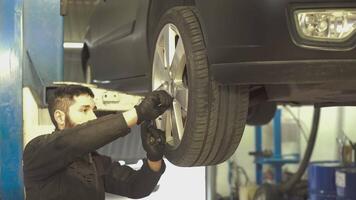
x,y
153,105
153,142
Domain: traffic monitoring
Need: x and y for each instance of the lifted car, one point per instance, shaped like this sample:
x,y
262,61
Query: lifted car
x,y
227,63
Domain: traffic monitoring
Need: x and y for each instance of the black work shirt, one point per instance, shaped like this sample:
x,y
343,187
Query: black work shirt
x,y
64,165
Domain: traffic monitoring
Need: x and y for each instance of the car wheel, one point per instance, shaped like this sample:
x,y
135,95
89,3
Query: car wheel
x,y
261,114
207,120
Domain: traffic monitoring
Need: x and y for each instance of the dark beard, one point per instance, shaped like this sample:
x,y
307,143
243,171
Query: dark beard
x,y
68,122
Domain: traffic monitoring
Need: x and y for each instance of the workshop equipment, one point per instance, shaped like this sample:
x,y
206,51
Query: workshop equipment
x,y
11,184
346,183
37,121
289,189
293,181
31,37
321,180
276,159
344,150
347,150
105,99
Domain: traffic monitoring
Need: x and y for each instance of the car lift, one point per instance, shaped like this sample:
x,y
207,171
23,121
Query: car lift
x,y
282,190
105,100
31,59
36,120
276,159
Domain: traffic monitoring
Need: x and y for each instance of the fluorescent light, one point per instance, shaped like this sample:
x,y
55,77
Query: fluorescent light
x,y
73,45
102,82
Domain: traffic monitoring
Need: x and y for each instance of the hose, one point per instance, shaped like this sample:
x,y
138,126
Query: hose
x,y
290,183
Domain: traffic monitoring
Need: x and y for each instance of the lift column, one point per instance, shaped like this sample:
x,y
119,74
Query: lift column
x,y
11,45
31,55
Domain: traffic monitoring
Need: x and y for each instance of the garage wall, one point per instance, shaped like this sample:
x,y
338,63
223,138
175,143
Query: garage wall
x,y
242,158
333,122
349,122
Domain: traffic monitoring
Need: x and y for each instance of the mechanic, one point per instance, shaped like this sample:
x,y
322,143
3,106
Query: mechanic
x,y
64,164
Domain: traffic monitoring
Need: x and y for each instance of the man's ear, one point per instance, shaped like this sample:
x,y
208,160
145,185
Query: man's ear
x,y
60,118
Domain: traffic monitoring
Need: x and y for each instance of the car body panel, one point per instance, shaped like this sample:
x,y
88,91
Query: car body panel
x,y
257,31
118,47
248,43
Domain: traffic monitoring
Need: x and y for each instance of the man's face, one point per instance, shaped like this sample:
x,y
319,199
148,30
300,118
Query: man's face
x,y
81,111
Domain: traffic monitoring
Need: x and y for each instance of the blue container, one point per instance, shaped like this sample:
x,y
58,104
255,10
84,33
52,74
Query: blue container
x,y
346,183
321,180
322,197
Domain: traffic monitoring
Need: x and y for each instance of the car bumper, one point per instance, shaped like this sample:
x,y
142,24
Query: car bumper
x,y
255,42
285,72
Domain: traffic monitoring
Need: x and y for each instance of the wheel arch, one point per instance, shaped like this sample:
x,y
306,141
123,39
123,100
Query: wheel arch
x,y
159,7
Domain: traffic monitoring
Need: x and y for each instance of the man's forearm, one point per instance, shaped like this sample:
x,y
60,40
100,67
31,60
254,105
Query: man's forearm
x,y
71,143
130,117
131,120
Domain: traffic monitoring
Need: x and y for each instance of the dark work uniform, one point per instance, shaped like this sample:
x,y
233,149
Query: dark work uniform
x,y
64,165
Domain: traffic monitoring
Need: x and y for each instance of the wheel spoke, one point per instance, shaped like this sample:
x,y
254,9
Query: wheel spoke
x,y
160,47
160,74
158,59
169,45
181,95
159,122
163,40
179,61
168,126
178,128
164,122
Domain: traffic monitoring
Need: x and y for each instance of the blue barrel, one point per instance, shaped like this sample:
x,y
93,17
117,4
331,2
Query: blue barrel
x,y
346,183
321,180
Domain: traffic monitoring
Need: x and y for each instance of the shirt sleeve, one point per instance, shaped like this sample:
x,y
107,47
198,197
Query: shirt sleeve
x,y
47,154
125,181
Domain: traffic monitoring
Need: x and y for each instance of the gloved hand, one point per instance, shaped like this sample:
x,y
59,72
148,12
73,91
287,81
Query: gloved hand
x,y
153,142
153,105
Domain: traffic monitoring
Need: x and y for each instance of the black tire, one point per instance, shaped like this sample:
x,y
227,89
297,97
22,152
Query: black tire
x,y
216,114
268,192
261,114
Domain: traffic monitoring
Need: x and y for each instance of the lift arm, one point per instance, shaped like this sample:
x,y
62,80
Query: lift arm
x,y
36,117
105,99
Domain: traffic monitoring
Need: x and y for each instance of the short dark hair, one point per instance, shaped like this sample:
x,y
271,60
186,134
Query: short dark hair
x,y
63,97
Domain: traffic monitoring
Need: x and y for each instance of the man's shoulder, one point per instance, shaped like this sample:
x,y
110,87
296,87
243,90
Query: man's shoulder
x,y
35,142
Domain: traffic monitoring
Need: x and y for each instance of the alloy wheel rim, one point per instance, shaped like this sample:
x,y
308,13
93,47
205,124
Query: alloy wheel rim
x,y
169,74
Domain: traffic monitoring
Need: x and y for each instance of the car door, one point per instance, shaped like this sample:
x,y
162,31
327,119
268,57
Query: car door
x,y
118,45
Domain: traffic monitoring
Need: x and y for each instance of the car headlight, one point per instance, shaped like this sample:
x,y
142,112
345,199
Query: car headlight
x,y
329,25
